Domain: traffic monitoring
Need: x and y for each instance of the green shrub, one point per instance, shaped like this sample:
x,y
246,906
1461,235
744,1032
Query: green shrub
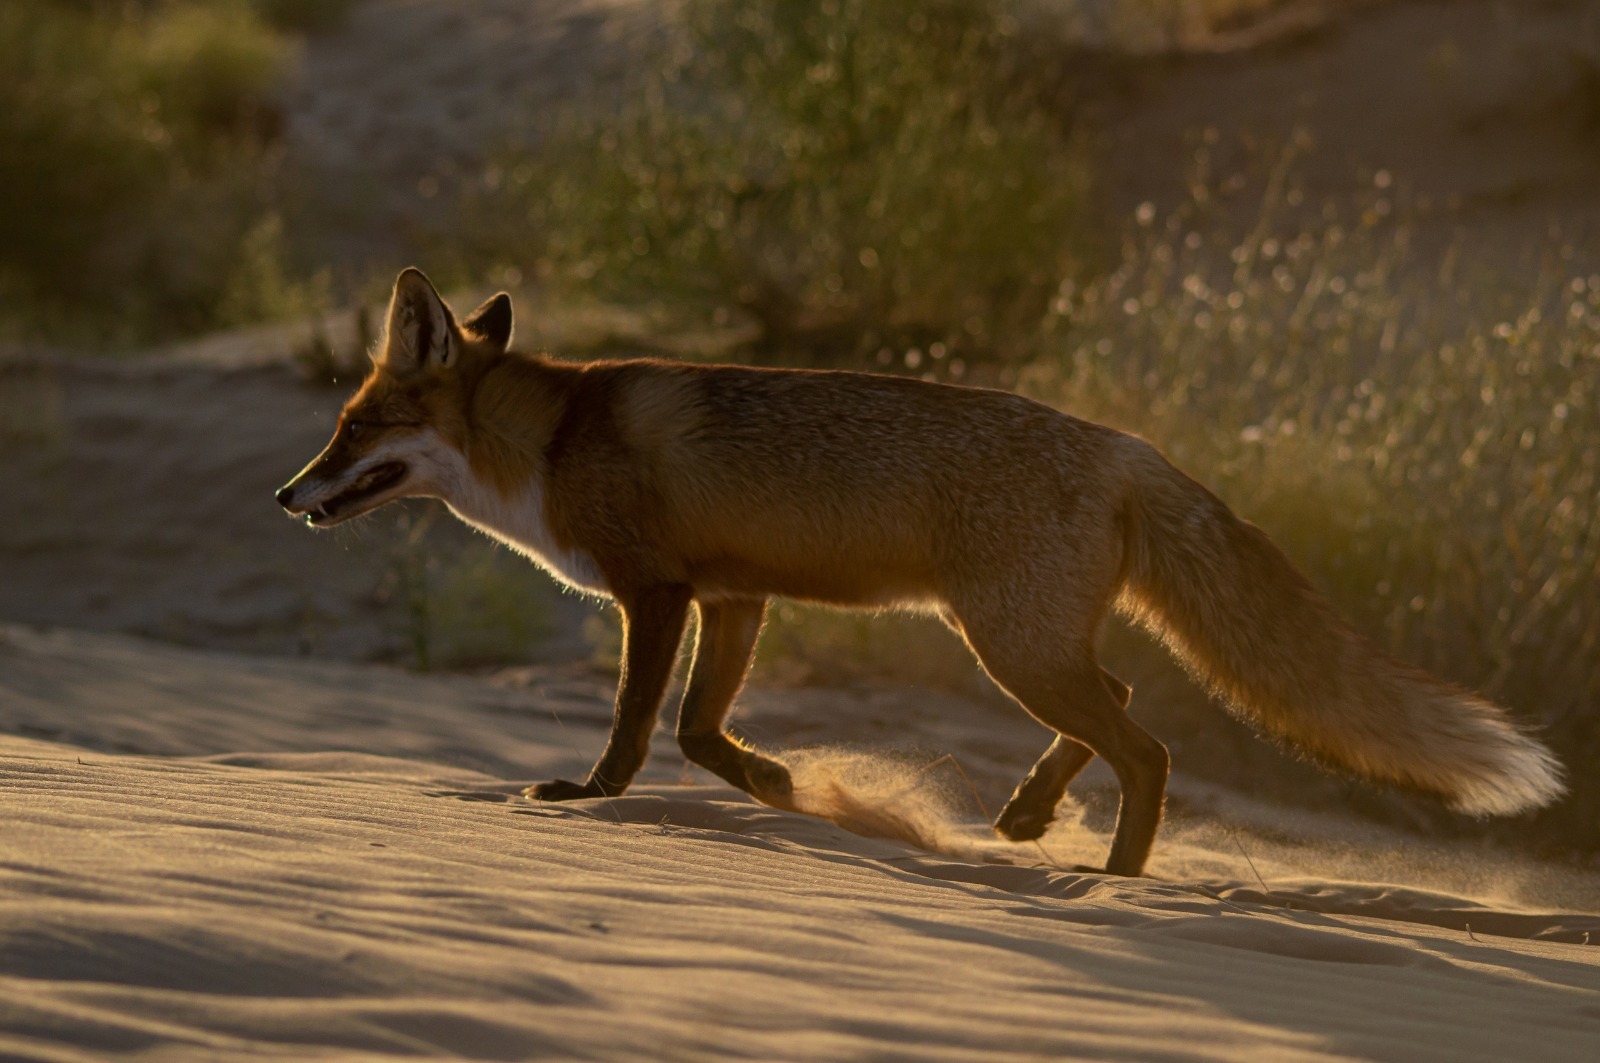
x,y
844,171
137,159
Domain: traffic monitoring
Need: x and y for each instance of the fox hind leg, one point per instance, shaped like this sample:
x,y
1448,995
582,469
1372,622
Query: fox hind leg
x,y
1077,705
724,647
1045,660
1032,807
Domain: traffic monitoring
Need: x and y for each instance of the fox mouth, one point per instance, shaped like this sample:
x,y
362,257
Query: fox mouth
x,y
359,497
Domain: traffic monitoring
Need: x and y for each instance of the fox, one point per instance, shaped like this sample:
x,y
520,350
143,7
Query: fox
x,y
674,487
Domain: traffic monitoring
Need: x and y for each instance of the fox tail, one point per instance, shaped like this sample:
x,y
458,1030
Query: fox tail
x,y
1249,626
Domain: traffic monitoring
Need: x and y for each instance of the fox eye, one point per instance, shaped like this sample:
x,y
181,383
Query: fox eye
x,y
355,428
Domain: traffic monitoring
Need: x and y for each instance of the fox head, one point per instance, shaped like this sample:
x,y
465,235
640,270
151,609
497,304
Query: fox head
x,y
401,434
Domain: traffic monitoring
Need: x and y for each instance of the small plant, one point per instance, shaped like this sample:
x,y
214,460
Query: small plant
x,y
321,360
462,601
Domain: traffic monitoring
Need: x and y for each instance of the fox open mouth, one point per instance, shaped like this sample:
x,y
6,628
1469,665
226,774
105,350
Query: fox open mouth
x,y
351,502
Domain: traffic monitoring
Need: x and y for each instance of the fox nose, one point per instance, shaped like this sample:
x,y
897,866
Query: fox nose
x,y
285,496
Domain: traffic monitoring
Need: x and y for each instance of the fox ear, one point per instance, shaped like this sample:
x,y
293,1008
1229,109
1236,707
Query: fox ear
x,y
491,322
421,333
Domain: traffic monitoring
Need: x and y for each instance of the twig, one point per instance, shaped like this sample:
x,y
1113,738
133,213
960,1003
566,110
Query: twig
x,y
1234,832
916,779
1206,891
956,764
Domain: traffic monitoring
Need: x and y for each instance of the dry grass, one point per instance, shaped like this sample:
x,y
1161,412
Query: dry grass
x,y
1425,447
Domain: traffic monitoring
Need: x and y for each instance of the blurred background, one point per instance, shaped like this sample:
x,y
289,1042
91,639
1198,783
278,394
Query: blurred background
x,y
1340,259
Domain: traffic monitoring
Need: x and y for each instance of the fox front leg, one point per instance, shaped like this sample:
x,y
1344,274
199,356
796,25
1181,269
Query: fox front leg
x,y
653,622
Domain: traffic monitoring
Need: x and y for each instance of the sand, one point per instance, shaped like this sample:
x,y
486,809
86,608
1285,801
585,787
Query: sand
x,y
223,856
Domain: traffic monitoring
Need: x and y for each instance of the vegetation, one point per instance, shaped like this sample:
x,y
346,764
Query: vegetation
x,y
846,172
1426,452
139,147
461,601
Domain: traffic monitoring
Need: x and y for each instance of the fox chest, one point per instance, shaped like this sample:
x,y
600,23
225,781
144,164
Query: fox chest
x,y
519,521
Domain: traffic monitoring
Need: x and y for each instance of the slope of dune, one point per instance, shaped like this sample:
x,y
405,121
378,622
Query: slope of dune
x,y
306,860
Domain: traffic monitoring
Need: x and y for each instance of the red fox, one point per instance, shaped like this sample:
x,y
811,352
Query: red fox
x,y
669,487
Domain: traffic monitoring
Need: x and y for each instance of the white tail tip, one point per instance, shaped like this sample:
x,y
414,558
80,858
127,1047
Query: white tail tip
x,y
1526,776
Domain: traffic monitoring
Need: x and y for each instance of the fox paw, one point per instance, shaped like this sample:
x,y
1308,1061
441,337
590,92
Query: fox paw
x,y
772,784
562,790
1022,824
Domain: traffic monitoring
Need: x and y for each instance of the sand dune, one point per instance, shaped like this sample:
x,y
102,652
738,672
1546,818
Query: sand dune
x,y
257,881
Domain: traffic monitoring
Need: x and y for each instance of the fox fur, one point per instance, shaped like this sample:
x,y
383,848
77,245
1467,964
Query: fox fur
x,y
675,487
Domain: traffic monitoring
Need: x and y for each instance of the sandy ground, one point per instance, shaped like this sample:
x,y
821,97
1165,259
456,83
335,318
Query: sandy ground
x,y
328,864
233,831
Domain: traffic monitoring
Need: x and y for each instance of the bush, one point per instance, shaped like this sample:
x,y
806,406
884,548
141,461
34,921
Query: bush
x,y
844,171
137,148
